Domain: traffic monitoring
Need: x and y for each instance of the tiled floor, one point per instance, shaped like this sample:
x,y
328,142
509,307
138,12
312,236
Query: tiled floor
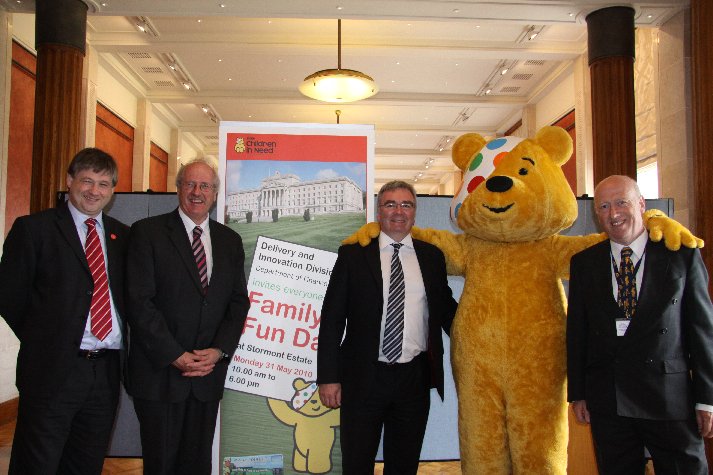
x,y
127,466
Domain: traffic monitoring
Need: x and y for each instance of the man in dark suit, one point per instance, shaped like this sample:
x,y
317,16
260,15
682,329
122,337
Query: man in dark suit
x,y
69,323
640,343
187,302
393,298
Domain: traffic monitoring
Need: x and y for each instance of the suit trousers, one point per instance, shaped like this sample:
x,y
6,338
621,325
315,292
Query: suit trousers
x,y
397,400
69,432
676,448
177,437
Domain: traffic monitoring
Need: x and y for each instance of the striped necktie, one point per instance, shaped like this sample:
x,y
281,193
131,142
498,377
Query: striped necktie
x,y
199,255
100,310
394,328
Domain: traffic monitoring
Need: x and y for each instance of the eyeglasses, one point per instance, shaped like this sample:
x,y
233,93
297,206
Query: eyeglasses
x,y
191,185
391,205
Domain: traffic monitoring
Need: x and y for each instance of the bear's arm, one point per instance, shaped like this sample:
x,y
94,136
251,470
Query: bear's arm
x,y
564,247
283,412
450,244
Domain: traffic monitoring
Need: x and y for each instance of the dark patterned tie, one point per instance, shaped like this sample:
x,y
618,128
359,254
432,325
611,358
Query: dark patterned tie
x,y
199,255
394,328
626,283
100,311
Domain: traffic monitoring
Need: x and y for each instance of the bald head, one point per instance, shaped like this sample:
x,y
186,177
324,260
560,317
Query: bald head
x,y
619,207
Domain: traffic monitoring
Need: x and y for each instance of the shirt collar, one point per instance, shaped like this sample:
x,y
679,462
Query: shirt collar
x,y
385,241
79,218
189,224
638,246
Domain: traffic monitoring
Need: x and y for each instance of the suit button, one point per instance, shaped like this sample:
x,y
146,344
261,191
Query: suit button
x,y
674,301
89,292
649,361
663,331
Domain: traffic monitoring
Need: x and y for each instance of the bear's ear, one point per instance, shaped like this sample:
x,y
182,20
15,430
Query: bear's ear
x,y
465,147
556,142
299,384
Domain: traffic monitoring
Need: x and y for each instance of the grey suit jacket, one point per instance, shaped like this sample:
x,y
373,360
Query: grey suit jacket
x,y
168,313
663,365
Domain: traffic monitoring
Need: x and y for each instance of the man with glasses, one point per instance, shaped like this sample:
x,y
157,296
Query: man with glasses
x,y
187,302
392,297
62,294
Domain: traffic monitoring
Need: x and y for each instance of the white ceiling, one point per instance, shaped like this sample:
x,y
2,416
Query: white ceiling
x,y
432,59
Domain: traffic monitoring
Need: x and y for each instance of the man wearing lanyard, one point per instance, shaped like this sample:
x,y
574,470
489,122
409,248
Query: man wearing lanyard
x,y
61,293
393,298
640,343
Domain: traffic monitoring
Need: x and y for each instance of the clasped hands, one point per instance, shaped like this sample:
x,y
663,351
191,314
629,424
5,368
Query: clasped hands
x,y
198,362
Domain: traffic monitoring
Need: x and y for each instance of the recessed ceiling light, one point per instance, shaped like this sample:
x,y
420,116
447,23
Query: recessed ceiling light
x,y
199,20
649,16
230,79
477,26
250,116
409,24
393,81
279,60
220,60
269,22
339,7
222,5
456,64
571,14
456,10
398,62
104,4
504,71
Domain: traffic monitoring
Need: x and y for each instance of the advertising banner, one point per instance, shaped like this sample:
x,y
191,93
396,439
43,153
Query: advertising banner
x,y
293,192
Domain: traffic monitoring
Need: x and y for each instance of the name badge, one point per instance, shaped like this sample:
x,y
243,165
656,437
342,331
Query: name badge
x,y
621,325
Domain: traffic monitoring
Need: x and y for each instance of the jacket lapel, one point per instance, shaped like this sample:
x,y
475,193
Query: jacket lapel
x,y
179,238
69,231
373,261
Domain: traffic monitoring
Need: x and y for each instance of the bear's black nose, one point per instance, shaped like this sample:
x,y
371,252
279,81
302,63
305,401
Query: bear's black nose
x,y
498,184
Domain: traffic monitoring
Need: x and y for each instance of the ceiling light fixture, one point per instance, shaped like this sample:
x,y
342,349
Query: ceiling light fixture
x,y
146,26
338,85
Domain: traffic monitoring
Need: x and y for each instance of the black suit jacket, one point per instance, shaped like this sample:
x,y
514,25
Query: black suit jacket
x,y
663,365
46,291
168,313
354,299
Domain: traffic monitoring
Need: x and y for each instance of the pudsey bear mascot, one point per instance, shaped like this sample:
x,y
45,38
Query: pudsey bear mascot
x,y
508,336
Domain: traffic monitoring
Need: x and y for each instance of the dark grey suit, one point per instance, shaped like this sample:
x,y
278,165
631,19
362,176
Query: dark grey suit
x,y
168,315
653,375
354,299
45,296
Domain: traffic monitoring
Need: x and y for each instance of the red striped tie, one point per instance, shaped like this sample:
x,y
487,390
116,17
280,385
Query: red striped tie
x,y
199,255
101,307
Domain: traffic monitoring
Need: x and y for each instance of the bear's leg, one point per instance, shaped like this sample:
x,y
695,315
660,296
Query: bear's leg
x,y
537,419
481,423
299,461
318,460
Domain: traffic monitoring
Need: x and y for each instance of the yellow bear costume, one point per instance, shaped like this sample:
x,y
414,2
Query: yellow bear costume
x,y
315,427
508,336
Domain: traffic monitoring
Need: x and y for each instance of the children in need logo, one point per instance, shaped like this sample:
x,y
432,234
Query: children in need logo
x,y
253,145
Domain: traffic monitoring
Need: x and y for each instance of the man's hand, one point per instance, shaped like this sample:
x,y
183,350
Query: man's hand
x,y
198,362
331,394
674,233
705,423
580,411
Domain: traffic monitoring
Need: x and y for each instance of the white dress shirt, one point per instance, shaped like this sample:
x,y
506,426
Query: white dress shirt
x,y
415,304
113,339
205,238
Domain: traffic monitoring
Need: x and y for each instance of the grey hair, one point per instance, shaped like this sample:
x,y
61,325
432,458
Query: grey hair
x,y
396,185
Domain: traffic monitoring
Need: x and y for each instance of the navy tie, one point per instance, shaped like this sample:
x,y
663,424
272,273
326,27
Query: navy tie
x,y
626,283
394,329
